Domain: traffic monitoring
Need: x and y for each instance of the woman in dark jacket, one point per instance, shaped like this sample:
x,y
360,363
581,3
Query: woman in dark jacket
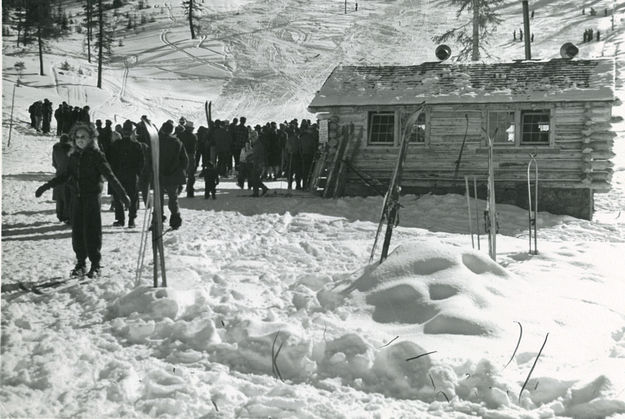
x,y
85,168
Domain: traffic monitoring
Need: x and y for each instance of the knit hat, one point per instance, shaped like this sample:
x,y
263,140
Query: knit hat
x,y
189,125
128,127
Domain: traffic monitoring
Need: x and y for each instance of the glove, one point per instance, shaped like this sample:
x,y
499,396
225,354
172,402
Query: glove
x,y
40,190
126,200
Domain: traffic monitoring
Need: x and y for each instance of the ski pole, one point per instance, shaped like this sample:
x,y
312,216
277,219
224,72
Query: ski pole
x,y
147,217
466,186
477,216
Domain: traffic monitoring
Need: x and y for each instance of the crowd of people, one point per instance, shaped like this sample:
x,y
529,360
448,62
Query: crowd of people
x,y
88,152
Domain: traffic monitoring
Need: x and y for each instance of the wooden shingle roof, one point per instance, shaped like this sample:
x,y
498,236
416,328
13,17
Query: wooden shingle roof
x,y
519,81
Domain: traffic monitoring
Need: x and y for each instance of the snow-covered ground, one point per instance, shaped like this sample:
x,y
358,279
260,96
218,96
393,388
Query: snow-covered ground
x,y
288,279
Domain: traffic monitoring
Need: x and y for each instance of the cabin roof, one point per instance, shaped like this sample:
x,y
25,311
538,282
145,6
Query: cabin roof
x,y
518,81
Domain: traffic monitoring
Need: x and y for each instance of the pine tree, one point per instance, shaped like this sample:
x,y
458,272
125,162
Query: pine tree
x,y
38,25
483,23
105,39
89,25
192,10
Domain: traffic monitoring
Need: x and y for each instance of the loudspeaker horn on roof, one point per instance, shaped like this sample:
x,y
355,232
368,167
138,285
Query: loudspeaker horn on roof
x,y
442,52
568,50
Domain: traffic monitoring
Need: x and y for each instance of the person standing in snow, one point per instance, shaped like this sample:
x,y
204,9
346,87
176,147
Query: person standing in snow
x,y
85,168
46,116
127,163
62,193
58,116
189,140
257,165
222,147
238,141
293,157
173,162
211,180
309,141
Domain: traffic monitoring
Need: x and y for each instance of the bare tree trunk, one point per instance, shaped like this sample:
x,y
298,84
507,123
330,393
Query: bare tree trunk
x,y
40,42
101,42
89,28
191,19
475,53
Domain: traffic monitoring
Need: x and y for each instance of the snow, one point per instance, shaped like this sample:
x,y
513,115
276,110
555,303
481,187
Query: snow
x,y
288,279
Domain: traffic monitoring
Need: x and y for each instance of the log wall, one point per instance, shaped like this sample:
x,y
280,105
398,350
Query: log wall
x,y
578,156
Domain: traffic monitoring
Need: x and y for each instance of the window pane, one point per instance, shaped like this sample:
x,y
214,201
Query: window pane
x,y
417,134
381,128
501,127
535,127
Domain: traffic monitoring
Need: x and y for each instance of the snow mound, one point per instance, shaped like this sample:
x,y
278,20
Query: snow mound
x,y
442,287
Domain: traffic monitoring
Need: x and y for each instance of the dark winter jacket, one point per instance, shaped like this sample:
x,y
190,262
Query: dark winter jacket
x,y
308,142
259,155
210,175
189,140
84,172
241,136
127,158
222,140
60,161
173,161
292,142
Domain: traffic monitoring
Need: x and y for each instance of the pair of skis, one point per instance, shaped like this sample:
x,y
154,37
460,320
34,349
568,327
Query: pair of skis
x,y
390,205
158,250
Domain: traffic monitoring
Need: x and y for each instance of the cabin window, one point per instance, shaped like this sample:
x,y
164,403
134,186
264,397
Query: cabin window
x,y
382,128
501,127
535,127
417,135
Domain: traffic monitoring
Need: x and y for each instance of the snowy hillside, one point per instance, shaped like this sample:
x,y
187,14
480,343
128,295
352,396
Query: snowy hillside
x,y
273,309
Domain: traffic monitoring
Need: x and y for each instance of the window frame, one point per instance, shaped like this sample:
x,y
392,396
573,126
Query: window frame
x,y
426,124
370,115
518,130
522,113
488,119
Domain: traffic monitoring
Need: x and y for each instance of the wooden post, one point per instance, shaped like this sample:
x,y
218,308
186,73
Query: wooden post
x,y
526,28
11,120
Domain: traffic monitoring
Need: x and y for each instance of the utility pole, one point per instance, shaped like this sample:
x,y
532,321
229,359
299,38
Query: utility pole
x,y
526,28
345,6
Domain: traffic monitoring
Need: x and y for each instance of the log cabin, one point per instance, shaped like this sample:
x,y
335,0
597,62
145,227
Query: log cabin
x,y
559,110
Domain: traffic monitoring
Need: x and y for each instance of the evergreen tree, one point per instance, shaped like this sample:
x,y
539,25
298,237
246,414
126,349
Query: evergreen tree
x,y
192,10
88,6
483,23
38,25
104,42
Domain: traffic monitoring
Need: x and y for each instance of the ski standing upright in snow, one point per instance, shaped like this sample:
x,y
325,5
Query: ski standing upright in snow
x,y
390,207
532,213
157,219
490,215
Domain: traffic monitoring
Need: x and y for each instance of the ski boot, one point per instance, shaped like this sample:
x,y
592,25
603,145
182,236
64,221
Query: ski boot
x,y
94,272
78,271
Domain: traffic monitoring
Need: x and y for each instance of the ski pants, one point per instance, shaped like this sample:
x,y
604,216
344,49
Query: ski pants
x,y
191,177
294,169
172,199
236,154
224,162
87,228
255,181
130,185
307,160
